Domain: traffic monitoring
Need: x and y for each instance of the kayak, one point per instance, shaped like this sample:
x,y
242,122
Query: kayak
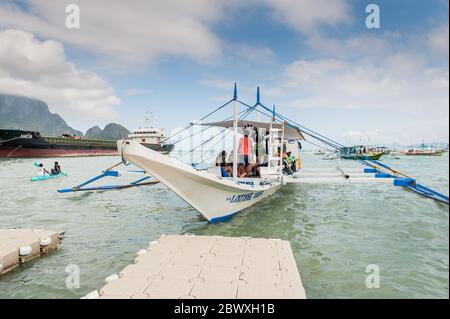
x,y
46,176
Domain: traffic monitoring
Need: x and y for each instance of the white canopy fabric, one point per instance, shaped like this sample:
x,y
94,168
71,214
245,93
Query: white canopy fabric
x,y
291,133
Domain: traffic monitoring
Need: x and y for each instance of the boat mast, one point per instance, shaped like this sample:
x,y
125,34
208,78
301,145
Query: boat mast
x,y
258,100
235,133
282,152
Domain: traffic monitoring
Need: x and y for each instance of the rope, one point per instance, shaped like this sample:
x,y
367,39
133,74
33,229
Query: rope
x,y
309,132
319,146
324,140
201,131
203,118
11,139
115,165
259,111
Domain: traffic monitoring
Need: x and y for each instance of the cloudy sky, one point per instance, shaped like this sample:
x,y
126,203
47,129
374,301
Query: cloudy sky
x,y
314,59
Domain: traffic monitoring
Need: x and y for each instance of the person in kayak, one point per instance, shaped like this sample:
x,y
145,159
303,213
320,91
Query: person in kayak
x,y
41,171
56,170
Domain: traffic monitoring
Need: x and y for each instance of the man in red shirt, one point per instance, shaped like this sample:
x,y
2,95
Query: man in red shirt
x,y
245,148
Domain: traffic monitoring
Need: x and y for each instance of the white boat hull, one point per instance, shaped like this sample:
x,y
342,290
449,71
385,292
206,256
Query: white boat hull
x,y
217,199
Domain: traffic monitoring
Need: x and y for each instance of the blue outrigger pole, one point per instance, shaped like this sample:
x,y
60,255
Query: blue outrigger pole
x,y
383,170
111,173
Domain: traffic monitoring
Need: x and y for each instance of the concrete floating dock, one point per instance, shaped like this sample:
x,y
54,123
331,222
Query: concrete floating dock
x,y
18,246
200,267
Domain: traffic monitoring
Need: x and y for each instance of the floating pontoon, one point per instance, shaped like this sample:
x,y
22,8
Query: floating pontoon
x,y
205,267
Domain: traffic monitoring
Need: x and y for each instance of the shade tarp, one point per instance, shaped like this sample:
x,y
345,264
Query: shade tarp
x,y
291,132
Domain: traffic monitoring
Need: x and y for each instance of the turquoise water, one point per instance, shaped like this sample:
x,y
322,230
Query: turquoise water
x,y
335,230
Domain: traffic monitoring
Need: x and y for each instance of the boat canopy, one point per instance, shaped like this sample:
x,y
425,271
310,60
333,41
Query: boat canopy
x,y
291,132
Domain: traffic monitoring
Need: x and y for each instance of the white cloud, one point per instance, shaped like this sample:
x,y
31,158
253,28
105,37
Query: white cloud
x,y
40,69
399,82
391,74
438,39
307,15
134,31
142,31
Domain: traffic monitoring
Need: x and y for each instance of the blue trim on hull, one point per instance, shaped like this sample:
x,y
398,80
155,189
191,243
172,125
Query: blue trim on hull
x,y
221,219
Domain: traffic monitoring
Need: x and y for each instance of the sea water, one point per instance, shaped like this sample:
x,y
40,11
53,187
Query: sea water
x,y
338,232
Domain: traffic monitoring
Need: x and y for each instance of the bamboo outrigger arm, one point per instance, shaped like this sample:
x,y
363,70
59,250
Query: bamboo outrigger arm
x,y
112,173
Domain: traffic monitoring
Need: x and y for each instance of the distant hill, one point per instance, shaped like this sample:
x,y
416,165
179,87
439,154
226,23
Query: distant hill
x,y
19,112
112,131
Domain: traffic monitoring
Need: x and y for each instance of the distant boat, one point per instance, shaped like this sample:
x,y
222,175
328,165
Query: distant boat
x,y
319,152
360,152
151,137
424,150
383,149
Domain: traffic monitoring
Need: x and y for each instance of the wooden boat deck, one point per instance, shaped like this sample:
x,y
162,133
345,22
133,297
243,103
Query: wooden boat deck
x,y
18,246
199,267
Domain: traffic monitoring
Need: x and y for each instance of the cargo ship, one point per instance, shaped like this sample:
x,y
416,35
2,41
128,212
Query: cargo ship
x,y
151,137
21,143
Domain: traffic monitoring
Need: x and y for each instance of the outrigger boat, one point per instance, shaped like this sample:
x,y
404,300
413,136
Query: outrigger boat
x,y
218,197
424,150
359,152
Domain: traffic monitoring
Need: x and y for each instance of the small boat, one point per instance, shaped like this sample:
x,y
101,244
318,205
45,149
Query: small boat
x,y
46,177
424,150
319,152
359,152
423,153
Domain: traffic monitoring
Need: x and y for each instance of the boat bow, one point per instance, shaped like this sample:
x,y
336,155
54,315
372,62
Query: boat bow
x,y
216,198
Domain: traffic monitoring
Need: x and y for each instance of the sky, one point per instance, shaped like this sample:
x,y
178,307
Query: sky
x,y
316,60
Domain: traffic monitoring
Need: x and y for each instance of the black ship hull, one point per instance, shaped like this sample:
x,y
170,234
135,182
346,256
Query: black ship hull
x,y
20,143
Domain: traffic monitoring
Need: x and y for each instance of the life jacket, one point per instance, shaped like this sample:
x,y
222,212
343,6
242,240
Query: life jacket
x,y
245,144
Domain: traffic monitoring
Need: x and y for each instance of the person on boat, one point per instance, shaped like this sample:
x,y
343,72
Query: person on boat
x,y
221,159
290,162
56,170
226,170
286,164
261,152
242,171
41,171
246,148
